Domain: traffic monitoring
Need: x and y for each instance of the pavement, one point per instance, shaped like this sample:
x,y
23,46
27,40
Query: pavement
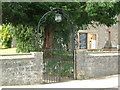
x,y
103,82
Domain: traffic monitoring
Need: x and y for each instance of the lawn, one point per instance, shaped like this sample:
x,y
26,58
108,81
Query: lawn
x,y
8,51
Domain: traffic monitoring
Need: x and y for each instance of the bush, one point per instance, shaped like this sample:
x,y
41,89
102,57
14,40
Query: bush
x,y
6,35
23,34
25,38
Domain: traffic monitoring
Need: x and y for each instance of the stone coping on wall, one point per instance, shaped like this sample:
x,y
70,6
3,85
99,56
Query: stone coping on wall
x,y
16,56
103,51
105,54
27,56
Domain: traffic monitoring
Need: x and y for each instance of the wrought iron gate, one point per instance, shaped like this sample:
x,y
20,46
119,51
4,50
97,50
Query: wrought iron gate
x,y
58,66
59,61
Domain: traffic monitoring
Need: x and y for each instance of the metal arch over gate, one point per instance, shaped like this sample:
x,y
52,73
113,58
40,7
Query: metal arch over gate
x,y
59,62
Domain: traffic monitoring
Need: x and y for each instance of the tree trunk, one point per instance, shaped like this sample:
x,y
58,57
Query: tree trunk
x,y
48,40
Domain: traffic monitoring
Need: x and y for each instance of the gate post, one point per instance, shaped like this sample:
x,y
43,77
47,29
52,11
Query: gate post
x,y
1,72
80,61
39,64
0,28
118,46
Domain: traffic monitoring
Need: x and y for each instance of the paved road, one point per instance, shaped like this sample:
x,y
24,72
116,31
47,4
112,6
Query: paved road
x,y
103,82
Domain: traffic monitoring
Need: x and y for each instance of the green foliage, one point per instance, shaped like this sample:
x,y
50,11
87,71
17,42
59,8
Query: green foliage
x,y
25,15
67,69
103,12
59,63
24,38
6,35
62,36
59,68
23,34
81,13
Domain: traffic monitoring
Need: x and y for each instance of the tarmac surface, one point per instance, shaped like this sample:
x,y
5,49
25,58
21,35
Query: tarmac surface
x,y
103,82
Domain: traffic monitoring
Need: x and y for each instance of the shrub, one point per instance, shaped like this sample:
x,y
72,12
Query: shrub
x,y
25,38
6,35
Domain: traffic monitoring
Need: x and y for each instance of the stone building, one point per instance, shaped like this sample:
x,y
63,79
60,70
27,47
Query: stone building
x,y
98,37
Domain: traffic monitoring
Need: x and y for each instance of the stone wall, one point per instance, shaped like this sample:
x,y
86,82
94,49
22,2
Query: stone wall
x,y
94,65
26,69
21,69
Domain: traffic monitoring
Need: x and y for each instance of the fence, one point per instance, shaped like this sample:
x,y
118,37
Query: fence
x,y
97,64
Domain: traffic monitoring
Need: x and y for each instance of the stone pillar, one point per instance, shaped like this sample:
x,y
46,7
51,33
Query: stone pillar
x,y
39,64
118,46
0,21
0,72
80,61
0,28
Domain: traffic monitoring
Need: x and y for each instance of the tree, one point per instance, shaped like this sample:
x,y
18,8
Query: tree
x,y
81,13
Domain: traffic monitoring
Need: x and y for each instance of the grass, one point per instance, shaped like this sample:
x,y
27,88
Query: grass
x,y
59,68
59,63
8,51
